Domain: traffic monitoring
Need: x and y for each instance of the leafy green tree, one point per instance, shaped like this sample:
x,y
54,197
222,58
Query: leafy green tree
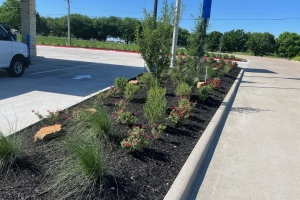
x,y
155,44
288,44
128,29
10,13
212,41
114,25
183,35
234,40
101,27
261,43
81,26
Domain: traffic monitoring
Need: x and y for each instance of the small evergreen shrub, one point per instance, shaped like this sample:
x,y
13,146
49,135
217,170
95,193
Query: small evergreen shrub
x,y
203,92
155,109
210,72
183,90
130,91
120,83
147,81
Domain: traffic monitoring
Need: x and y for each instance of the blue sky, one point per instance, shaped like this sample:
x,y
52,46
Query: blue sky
x,y
250,15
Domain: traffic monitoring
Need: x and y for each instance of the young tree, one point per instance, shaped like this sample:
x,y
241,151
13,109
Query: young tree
x,y
154,43
197,37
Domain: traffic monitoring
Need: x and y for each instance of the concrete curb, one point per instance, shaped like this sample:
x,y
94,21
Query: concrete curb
x,y
184,181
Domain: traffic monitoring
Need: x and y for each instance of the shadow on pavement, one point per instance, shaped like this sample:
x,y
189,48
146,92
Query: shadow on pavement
x,y
57,76
253,70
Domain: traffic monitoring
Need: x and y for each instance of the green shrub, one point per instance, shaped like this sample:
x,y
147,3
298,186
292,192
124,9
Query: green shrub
x,y
136,139
101,97
183,90
210,72
124,117
78,172
181,112
222,62
13,153
130,91
155,109
203,92
120,83
147,81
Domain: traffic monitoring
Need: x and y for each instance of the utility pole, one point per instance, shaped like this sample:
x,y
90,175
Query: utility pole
x,y
155,12
175,33
220,46
69,29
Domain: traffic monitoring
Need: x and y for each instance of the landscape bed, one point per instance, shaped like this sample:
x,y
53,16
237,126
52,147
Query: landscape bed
x,y
144,174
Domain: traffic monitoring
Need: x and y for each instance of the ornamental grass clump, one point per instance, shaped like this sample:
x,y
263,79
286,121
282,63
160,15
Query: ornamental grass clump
x,y
100,123
147,81
183,90
131,91
155,109
78,173
14,152
120,83
136,139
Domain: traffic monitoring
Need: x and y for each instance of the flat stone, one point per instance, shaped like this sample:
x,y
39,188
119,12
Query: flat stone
x,y
48,132
92,110
134,82
199,84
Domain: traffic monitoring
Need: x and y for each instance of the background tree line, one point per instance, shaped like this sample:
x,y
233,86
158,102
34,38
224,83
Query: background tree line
x,y
260,44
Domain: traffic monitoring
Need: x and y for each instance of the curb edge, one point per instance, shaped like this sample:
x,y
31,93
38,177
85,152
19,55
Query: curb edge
x,y
184,181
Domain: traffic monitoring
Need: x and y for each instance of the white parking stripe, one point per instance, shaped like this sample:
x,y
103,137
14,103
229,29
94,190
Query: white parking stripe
x,y
55,70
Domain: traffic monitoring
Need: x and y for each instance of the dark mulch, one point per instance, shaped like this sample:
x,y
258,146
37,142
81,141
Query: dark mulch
x,y
147,174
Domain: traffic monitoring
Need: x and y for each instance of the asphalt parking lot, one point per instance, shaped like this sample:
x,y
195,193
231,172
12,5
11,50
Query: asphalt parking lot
x,y
59,78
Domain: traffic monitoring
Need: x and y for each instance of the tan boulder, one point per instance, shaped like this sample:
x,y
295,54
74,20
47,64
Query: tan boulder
x,y
92,110
199,84
48,132
134,82
215,68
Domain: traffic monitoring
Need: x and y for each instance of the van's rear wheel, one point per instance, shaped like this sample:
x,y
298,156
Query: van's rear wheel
x,y
17,67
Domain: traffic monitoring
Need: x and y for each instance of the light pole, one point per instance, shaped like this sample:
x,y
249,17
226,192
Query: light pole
x,y
175,33
220,46
69,29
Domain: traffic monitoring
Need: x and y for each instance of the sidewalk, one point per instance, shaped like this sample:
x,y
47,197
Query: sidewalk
x,y
257,154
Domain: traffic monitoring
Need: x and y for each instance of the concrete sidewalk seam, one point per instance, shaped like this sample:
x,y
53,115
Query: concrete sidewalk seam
x,y
183,183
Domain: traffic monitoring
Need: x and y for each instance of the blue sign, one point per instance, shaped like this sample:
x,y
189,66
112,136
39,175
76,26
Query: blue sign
x,y
206,8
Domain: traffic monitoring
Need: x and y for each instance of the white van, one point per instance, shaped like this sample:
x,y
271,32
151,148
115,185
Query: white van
x,y
14,56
